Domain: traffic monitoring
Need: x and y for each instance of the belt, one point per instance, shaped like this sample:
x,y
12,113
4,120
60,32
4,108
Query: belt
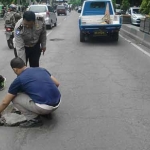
x,y
30,45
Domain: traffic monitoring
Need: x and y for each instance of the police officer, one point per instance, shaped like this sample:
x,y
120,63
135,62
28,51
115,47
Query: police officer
x,y
12,16
30,38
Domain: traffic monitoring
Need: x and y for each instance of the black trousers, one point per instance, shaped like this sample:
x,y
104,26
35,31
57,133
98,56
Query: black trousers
x,y
33,55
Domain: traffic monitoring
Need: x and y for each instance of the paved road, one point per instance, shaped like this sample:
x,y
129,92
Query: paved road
x,y
1,23
105,95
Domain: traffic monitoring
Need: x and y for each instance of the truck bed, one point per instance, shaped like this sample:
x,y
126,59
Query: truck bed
x,y
97,20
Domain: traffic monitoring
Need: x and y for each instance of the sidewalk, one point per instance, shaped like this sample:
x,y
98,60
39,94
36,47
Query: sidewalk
x,y
134,33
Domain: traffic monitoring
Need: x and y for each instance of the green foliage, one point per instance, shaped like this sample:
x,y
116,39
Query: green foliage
x,y
8,2
145,7
125,5
76,2
114,4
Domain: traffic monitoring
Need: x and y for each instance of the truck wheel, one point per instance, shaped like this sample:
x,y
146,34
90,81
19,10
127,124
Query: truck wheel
x,y
116,36
82,38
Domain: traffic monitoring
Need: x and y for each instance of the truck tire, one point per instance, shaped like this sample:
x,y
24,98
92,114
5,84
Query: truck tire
x,y
116,36
82,38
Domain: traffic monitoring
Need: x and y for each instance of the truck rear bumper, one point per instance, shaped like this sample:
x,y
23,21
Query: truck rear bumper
x,y
99,30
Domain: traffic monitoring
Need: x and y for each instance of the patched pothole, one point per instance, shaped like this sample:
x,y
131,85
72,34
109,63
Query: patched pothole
x,y
56,39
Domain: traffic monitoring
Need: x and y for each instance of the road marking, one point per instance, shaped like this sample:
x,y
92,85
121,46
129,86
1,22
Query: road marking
x,y
52,30
139,48
49,33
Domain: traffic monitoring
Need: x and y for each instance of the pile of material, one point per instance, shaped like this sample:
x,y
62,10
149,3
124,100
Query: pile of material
x,y
12,119
106,19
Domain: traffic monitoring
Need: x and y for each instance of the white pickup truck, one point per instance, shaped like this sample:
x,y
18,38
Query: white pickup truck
x,y
98,19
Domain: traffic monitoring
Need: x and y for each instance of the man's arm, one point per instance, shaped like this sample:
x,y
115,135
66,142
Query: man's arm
x,y
5,102
55,81
19,42
43,38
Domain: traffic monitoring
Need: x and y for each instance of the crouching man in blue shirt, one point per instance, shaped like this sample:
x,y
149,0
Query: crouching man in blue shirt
x,y
34,92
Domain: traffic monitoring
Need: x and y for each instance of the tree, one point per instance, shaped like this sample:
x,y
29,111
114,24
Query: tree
x,y
114,4
145,7
76,2
125,5
8,2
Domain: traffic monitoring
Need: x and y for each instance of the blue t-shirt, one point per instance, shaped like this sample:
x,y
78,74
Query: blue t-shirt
x,y
38,85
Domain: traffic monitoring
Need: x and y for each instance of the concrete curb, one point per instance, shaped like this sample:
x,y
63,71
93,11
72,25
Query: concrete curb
x,y
136,34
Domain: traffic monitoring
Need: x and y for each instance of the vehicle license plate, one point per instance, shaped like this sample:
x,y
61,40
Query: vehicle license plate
x,y
100,33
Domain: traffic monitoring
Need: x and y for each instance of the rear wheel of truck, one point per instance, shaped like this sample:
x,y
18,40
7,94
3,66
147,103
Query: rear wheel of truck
x,y
82,38
116,36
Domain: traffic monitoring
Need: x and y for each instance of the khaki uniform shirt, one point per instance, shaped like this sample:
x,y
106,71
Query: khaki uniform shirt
x,y
13,17
28,37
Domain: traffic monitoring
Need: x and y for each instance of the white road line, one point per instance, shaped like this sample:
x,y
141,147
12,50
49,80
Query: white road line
x,y
52,30
142,50
139,48
49,33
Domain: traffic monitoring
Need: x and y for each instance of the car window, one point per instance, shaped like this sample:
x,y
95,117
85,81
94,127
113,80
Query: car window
x,y
50,9
60,7
136,11
97,5
38,9
96,8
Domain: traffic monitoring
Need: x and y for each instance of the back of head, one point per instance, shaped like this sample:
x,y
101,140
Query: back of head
x,y
17,16
17,63
29,16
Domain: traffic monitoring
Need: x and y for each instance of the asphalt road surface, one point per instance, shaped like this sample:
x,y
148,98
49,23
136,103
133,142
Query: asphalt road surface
x,y
105,91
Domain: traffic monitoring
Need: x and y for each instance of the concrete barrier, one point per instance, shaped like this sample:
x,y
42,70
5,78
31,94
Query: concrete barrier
x,y
135,33
142,24
126,19
147,25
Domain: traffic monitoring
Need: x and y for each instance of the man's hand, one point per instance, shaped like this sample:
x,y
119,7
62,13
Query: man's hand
x,y
6,100
43,50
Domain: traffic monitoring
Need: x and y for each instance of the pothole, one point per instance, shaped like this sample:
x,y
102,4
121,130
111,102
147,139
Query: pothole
x,y
56,39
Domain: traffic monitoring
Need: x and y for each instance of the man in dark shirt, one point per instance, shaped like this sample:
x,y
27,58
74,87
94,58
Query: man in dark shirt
x,y
34,92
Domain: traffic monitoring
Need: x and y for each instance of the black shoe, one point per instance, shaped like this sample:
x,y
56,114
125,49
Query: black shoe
x,y
36,122
16,111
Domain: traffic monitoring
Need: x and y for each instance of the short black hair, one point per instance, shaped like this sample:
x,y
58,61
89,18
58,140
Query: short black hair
x,y
29,16
17,62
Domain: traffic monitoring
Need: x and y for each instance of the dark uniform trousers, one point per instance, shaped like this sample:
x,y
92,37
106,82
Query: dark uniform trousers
x,y
33,55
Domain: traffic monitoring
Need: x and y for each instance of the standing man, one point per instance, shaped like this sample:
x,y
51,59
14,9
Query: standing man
x,y
34,92
30,38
